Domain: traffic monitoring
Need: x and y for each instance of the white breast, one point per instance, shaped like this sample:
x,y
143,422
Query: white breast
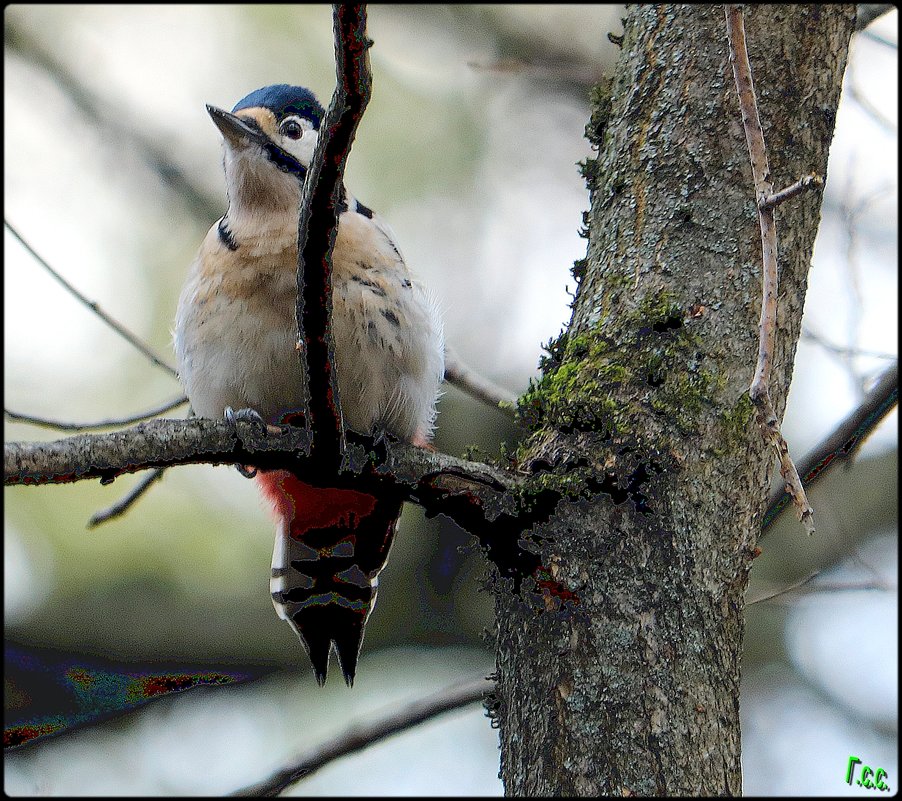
x,y
235,331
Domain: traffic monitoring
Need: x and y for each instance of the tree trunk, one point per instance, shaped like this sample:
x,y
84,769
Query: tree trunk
x,y
642,416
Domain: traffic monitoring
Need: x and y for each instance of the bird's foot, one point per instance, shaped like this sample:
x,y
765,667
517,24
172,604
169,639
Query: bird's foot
x,y
249,416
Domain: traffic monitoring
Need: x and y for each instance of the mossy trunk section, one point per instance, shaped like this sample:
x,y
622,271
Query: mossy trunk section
x,y
642,419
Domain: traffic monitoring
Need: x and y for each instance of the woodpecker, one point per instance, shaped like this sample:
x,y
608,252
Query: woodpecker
x,y
235,335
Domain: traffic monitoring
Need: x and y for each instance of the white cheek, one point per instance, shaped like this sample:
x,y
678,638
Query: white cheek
x,y
302,149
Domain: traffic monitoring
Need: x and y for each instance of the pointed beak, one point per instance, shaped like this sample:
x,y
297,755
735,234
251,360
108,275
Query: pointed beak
x,y
239,132
235,129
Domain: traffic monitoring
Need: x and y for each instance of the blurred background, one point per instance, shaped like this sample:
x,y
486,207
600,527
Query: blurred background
x,y
469,150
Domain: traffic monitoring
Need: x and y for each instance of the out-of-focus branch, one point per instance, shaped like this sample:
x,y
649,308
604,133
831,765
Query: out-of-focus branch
x,y
869,108
759,390
873,37
95,112
841,350
843,441
110,423
362,736
868,12
466,380
805,587
570,71
120,329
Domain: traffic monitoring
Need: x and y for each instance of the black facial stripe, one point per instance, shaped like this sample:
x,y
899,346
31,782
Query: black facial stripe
x,y
284,161
364,210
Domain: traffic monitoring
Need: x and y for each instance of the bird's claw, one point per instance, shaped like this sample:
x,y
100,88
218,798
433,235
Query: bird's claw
x,y
248,416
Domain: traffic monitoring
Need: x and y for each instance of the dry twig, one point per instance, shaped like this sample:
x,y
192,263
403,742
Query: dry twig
x,y
809,182
758,391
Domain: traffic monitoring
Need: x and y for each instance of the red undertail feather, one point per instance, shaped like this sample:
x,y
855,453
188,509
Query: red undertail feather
x,y
331,545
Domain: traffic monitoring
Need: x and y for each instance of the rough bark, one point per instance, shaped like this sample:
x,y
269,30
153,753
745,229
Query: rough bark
x,y
642,415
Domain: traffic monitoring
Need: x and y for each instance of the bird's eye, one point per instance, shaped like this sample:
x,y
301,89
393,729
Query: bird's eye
x,y
292,129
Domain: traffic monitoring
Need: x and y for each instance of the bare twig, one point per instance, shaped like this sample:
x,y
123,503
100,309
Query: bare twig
x,y
465,379
359,737
758,391
808,183
873,37
869,108
868,12
125,502
120,329
318,224
843,441
110,423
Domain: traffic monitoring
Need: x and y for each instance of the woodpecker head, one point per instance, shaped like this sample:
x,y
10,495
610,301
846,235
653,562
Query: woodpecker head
x,y
268,142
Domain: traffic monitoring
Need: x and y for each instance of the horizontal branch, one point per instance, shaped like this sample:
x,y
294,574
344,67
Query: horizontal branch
x,y
419,475
498,507
479,387
807,183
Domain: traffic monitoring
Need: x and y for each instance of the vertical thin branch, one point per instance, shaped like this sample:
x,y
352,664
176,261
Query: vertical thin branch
x,y
318,225
764,190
